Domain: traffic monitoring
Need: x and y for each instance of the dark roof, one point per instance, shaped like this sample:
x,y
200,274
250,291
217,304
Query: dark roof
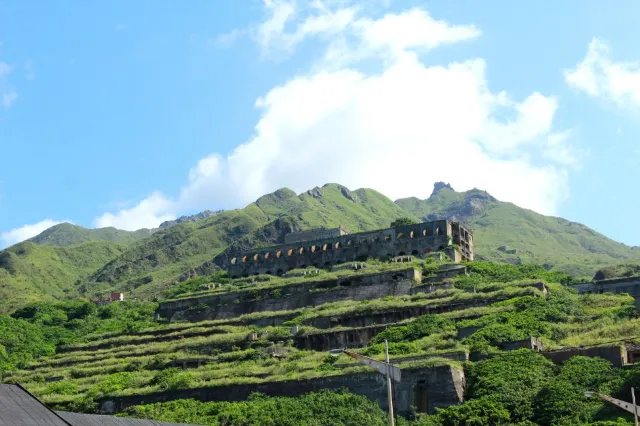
x,y
99,420
18,407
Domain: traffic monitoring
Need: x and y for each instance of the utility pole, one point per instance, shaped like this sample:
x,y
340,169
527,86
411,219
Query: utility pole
x,y
389,394
631,408
389,370
635,407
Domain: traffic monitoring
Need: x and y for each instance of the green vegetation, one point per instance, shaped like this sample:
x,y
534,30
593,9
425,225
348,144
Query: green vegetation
x,y
30,273
314,409
66,234
551,241
145,266
403,221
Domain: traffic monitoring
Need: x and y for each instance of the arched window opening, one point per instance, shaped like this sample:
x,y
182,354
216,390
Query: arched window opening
x,y
399,236
437,231
350,243
279,254
233,261
338,245
411,235
415,253
313,249
244,259
301,250
387,237
290,252
267,256
256,257
327,246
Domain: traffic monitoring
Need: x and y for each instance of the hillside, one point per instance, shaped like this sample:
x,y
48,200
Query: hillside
x,y
29,272
66,234
555,242
463,345
145,267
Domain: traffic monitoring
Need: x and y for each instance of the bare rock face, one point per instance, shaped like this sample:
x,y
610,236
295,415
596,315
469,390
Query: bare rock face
x,y
349,195
439,186
315,192
200,216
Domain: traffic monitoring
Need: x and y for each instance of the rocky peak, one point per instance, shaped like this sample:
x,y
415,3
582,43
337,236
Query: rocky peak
x,y
439,186
202,215
315,192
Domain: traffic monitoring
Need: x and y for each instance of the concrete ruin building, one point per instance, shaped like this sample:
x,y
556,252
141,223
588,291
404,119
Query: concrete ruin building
x,y
327,247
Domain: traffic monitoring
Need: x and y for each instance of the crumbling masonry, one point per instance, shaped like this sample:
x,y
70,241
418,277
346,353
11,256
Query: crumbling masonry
x,y
324,248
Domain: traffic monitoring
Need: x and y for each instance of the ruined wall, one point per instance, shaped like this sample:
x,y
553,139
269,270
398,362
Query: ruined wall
x,y
294,296
314,234
416,240
614,354
629,285
351,338
431,388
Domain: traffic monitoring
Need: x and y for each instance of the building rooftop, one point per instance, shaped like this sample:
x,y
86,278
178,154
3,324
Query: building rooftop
x,y
18,407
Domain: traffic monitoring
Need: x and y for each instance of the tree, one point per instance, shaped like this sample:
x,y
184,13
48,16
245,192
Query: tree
x,y
402,221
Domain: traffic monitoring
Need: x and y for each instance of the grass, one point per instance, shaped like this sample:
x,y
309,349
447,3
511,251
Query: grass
x,y
145,268
136,364
295,277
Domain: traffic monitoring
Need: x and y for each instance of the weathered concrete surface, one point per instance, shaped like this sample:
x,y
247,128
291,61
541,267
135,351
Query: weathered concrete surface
x,y
293,296
614,354
395,314
629,285
424,388
416,240
332,339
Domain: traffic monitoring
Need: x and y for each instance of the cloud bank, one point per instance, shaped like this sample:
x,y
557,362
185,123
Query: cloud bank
x,y
25,232
599,76
370,112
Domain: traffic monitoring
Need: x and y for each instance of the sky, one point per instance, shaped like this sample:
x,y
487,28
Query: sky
x,y
128,114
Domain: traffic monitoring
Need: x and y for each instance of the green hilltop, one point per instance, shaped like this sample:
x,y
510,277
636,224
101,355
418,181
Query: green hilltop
x,y
67,234
551,241
70,261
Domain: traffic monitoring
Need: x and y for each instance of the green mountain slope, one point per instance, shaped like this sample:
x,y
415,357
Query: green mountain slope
x,y
66,234
29,272
148,267
529,237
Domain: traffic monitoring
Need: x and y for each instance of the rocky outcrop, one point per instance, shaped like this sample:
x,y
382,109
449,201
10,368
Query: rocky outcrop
x,y
439,186
193,218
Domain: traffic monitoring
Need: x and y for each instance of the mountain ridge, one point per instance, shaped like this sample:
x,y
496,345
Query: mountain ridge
x,y
145,267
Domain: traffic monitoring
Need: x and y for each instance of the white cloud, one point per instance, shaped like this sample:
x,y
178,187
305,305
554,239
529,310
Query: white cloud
x,y
599,76
7,95
397,130
8,98
149,213
5,69
16,235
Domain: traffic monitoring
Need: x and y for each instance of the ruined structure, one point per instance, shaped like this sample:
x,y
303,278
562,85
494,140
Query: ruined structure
x,y
421,390
315,234
327,247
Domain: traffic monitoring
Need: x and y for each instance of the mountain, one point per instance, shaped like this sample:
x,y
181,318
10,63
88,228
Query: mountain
x,y
193,218
146,266
504,232
149,266
66,234
29,272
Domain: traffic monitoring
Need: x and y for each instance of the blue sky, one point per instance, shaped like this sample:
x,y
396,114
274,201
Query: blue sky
x,y
130,113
